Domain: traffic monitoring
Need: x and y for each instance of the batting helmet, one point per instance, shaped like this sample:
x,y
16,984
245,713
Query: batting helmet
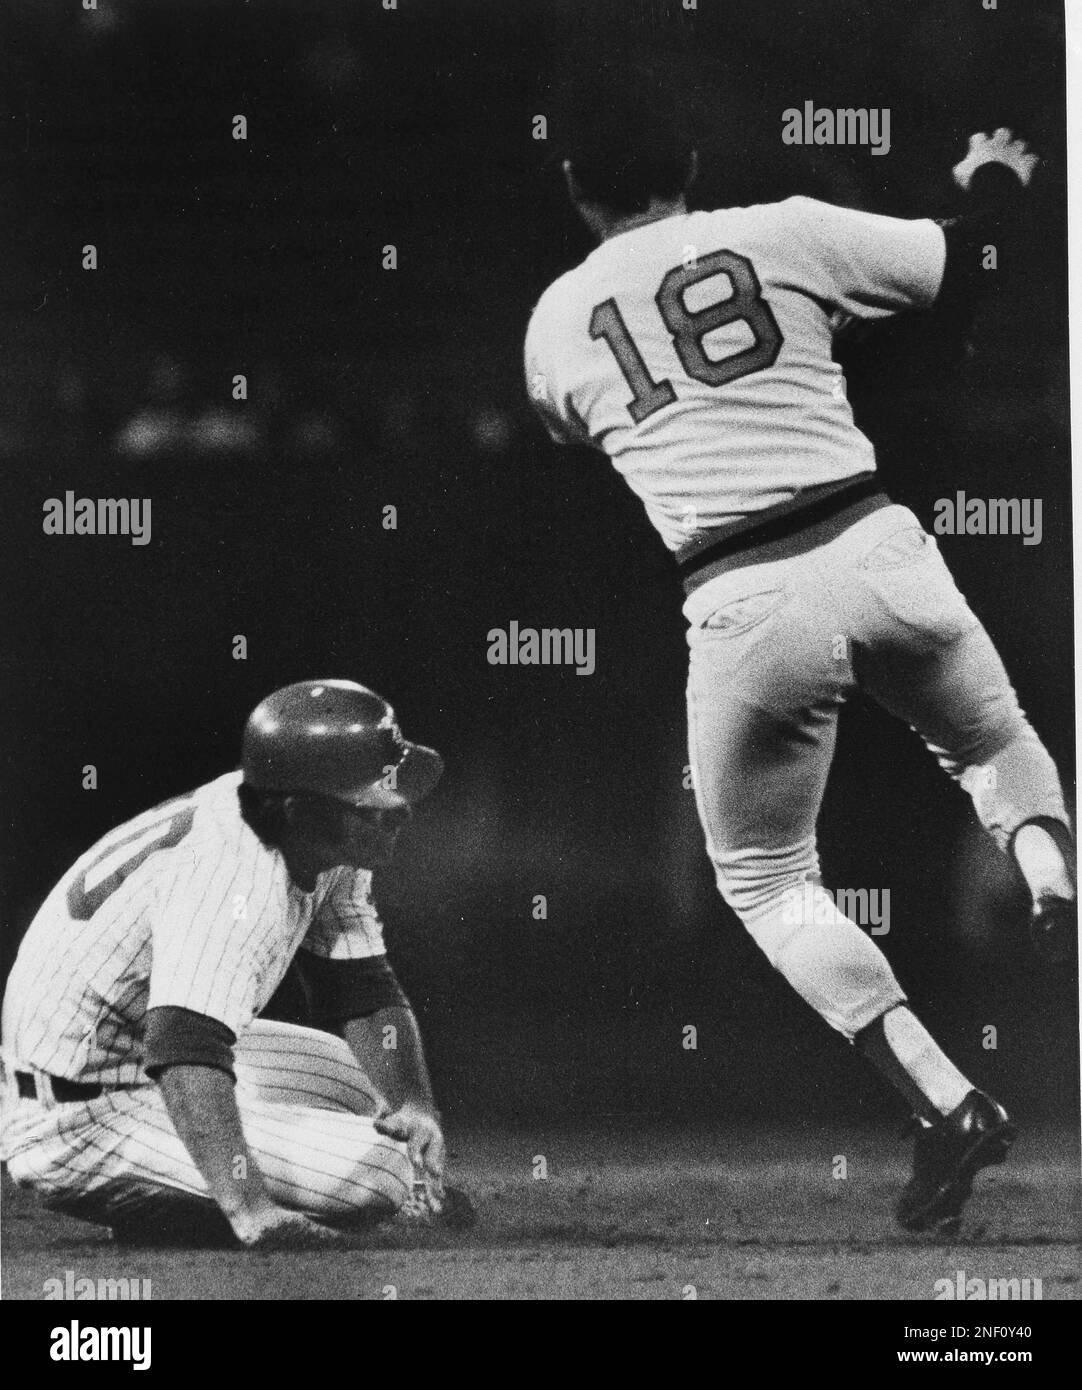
x,y
333,738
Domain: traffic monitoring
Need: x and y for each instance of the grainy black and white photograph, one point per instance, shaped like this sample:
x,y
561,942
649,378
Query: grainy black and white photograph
x,y
538,660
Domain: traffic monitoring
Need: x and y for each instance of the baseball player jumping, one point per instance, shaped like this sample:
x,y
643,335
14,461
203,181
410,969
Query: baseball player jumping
x,y
695,350
141,1090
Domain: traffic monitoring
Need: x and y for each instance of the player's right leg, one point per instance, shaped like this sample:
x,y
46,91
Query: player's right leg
x,y
766,678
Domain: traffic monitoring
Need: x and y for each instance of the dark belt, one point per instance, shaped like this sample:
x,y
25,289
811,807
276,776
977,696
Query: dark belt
x,y
780,526
65,1092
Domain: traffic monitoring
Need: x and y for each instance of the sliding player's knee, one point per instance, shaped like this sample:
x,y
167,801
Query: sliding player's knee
x,y
368,1189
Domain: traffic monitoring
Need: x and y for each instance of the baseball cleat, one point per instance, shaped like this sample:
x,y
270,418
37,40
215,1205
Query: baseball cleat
x,y
1053,929
946,1158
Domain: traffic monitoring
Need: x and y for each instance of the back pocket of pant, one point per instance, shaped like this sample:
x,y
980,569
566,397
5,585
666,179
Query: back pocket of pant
x,y
909,577
738,615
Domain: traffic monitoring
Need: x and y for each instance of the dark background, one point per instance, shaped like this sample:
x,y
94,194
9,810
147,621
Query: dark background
x,y
370,388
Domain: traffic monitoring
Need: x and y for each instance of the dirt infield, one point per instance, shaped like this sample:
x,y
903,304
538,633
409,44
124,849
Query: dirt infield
x,y
634,1215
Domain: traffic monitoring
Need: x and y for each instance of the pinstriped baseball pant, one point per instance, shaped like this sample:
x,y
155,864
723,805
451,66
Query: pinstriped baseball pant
x,y
778,640
305,1108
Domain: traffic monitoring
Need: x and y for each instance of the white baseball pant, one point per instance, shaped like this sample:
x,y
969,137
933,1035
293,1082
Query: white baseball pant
x,y
305,1107
778,640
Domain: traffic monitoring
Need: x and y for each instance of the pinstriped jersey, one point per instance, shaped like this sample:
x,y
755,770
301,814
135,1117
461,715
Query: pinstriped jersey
x,y
696,351
183,906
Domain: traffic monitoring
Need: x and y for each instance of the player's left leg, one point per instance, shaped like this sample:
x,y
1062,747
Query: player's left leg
x,y
934,665
922,653
331,1165
281,1067
293,1065
289,1065
306,1105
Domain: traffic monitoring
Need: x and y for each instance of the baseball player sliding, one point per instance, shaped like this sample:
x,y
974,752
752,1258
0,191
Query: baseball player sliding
x,y
141,1089
695,350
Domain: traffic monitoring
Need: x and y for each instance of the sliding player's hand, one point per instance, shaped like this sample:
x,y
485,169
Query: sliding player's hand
x,y
418,1127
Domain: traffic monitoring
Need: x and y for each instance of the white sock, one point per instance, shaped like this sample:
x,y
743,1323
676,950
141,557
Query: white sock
x,y
1042,864
924,1061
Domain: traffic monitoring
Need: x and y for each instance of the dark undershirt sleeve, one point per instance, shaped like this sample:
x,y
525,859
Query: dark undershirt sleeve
x,y
181,1037
920,346
338,990
990,218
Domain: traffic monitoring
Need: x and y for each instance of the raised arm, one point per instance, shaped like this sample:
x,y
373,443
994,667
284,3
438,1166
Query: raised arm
x,y
994,174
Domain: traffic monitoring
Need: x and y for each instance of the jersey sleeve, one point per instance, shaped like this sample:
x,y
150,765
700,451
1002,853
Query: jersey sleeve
x,y
213,924
347,925
863,264
545,345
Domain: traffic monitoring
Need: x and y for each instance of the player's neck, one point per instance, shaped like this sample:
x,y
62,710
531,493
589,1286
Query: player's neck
x,y
606,225
303,864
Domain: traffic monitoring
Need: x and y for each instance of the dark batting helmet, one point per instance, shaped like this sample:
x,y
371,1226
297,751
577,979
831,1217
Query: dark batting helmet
x,y
333,738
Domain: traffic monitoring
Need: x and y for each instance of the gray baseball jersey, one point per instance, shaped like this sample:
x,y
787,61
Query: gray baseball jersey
x,y
695,350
